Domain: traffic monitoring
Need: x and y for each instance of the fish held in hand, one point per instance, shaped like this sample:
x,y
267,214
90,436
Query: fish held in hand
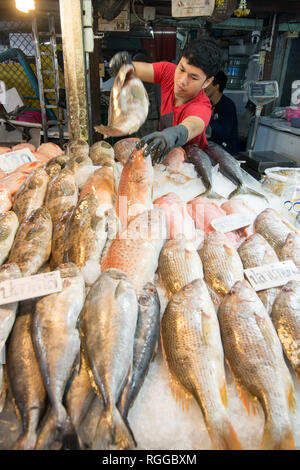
x,y
128,105
192,348
254,353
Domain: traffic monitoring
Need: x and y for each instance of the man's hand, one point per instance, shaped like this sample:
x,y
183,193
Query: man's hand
x,y
159,144
116,62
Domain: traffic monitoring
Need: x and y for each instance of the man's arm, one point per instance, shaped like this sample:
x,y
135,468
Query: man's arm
x,y
194,125
144,71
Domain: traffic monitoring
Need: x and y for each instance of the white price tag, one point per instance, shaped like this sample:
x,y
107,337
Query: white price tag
x,y
29,287
231,222
272,275
11,160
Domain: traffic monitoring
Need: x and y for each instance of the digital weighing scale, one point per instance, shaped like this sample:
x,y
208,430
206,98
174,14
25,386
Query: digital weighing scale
x,y
262,93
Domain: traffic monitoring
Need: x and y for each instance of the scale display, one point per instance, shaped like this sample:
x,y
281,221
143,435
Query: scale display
x,y
263,92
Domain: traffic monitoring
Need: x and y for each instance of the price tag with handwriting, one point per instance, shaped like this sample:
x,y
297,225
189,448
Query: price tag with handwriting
x,y
231,222
272,275
23,288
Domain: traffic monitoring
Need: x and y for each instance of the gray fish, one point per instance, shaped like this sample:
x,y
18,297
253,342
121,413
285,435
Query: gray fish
x,y
9,225
203,167
88,426
128,104
291,249
25,377
145,341
230,168
32,245
57,344
286,319
108,328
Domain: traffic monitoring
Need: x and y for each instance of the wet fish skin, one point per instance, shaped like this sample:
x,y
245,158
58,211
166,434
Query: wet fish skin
x,y
57,344
203,167
59,237
291,249
55,165
31,195
124,148
128,105
25,377
62,194
192,347
102,153
179,264
77,147
286,319
108,327
101,183
32,245
254,353
9,225
256,251
145,341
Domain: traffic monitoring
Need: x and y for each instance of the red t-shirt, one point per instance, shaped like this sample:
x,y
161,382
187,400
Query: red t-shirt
x,y
199,106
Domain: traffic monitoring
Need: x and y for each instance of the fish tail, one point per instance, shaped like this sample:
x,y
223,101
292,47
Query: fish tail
x,y
52,428
223,436
26,441
243,189
274,440
112,432
210,193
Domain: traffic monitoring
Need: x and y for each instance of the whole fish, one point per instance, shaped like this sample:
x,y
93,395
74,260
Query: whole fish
x,y
192,348
56,164
7,319
62,194
286,319
274,228
25,377
108,327
256,251
179,264
145,341
135,188
57,344
8,227
32,245
59,238
222,265
124,148
231,169
203,167
50,150
31,195
128,104
101,183
136,250
174,159
87,232
291,249
102,153
254,353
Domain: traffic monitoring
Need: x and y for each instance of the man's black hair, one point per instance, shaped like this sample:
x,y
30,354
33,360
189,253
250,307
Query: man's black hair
x,y
220,79
204,54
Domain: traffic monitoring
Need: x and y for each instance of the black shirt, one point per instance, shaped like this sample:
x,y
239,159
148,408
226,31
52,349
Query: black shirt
x,y
224,125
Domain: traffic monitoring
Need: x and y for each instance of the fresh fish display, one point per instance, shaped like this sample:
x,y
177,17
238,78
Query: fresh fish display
x,y
291,249
230,168
101,183
128,105
8,228
87,232
25,377
108,327
134,193
62,194
31,195
145,342
174,159
102,153
254,353
274,228
286,319
124,148
59,238
136,250
192,347
32,245
50,150
222,265
203,167
256,251
57,344
238,206
179,264
5,200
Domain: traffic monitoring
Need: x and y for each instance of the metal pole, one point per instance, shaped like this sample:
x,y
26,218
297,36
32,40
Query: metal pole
x,y
38,63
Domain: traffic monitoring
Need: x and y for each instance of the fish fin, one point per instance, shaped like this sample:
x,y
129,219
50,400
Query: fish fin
x,y
291,398
3,390
155,352
112,432
246,398
52,428
282,441
243,189
223,393
226,438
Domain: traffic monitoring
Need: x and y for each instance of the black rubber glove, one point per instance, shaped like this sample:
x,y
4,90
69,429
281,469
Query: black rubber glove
x,y
161,143
116,62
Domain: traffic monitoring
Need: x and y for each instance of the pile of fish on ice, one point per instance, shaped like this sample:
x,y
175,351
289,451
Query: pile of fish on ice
x,y
154,301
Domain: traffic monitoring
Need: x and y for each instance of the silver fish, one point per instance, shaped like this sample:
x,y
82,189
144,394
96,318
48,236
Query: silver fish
x,y
203,167
108,328
128,104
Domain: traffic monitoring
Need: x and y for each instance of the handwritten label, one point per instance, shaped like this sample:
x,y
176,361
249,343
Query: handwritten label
x,y
231,222
11,160
272,275
24,288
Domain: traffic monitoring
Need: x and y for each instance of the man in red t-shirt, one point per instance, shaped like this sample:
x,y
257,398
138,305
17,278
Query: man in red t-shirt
x,y
185,108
